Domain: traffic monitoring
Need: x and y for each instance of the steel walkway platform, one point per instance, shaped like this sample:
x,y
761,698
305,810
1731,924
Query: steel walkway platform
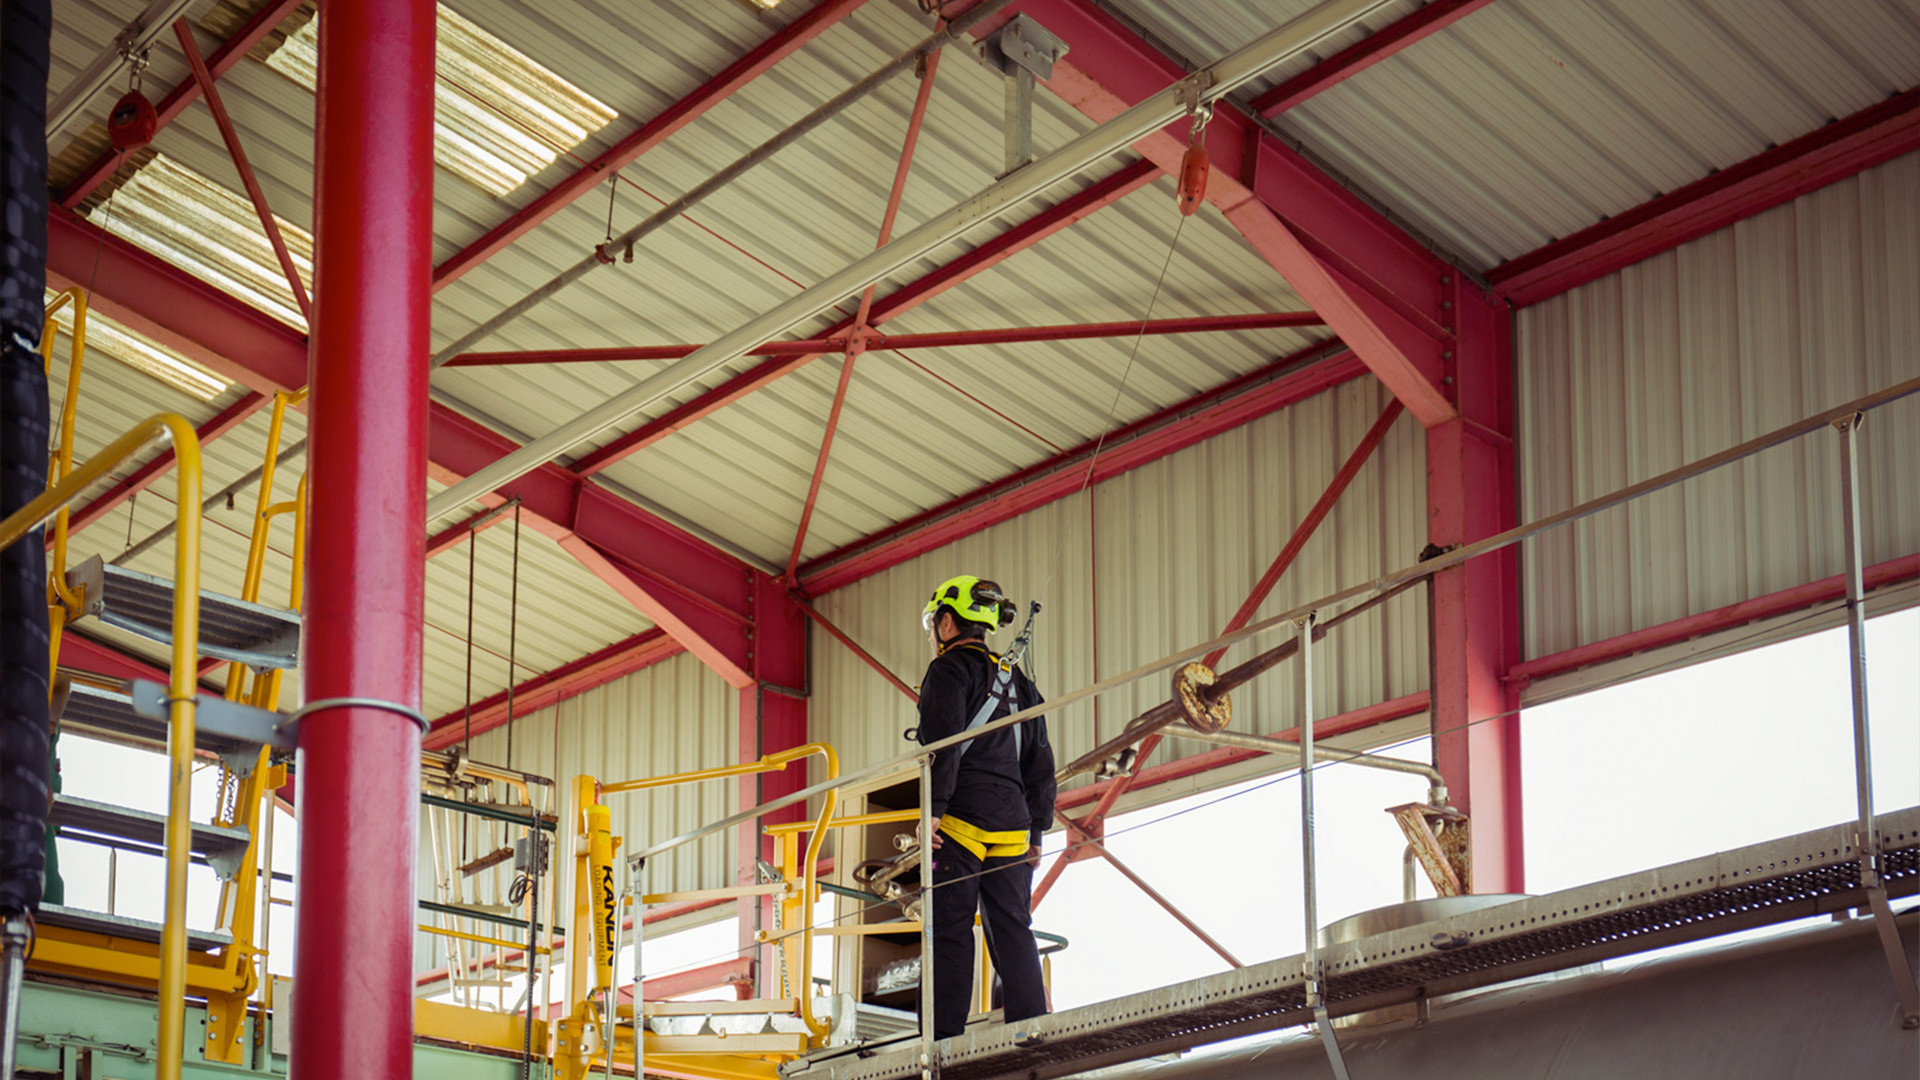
x,y
1774,882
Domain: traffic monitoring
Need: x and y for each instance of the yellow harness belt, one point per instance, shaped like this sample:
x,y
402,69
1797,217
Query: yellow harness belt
x,y
985,845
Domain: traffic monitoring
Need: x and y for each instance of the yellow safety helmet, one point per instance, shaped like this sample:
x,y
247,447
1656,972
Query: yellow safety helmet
x,y
972,599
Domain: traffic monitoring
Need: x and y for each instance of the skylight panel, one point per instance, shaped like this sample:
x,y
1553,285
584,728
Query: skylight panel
x,y
498,116
145,355
209,231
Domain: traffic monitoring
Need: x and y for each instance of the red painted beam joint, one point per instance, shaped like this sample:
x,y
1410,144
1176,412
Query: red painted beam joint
x,y
543,691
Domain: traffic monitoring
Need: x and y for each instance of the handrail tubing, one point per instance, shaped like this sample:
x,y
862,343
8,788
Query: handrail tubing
x,y
1428,568
181,691
773,762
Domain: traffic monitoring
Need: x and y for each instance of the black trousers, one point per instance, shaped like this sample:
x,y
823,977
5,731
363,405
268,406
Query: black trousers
x,y
1001,891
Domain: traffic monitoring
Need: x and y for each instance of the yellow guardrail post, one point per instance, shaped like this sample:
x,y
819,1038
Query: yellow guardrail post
x,y
180,686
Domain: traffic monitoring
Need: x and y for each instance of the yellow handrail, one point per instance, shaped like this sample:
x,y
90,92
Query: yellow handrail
x,y
257,543
773,762
180,686
62,463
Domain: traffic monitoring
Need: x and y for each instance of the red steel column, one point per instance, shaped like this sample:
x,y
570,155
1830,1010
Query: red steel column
x,y
359,765
1475,608
773,717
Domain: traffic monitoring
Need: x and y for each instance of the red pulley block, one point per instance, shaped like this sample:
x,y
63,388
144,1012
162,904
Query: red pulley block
x,y
1193,179
132,122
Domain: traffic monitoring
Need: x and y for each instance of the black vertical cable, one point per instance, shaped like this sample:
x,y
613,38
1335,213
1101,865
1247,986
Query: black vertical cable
x,y
25,764
513,629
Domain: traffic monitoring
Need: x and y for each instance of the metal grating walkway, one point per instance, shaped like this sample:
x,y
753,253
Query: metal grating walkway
x,y
1774,882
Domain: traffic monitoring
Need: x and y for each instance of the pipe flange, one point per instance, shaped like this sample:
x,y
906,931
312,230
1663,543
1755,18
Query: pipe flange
x,y
1202,712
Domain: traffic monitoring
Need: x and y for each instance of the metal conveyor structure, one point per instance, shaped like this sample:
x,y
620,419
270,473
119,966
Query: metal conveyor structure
x,y
1794,877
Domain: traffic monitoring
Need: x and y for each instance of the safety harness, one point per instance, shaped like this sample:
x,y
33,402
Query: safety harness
x,y
983,844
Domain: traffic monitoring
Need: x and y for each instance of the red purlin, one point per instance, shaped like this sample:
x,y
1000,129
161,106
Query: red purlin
x,y
1012,335
1019,238
1832,153
1246,398
231,136
359,763
1784,602
223,59
683,582
548,689
651,134
1365,53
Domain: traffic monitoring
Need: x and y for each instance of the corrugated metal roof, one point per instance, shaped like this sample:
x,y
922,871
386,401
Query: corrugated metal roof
x,y
1532,119
1797,310
1162,559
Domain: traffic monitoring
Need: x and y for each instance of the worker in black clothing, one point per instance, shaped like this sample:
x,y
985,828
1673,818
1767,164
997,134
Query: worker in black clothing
x,y
992,800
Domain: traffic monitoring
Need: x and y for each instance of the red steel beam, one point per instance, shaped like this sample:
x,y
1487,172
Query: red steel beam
x,y
598,668
229,418
1244,399
992,253
1841,149
1377,288
231,52
608,533
1365,53
1013,335
1774,604
361,650
231,136
853,646
1310,524
855,343
651,134
1297,542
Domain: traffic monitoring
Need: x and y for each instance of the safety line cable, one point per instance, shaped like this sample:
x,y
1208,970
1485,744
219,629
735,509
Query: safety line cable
x,y
1106,426
1287,776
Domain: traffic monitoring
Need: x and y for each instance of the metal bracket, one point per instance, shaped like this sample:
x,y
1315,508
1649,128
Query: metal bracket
x,y
218,716
89,580
1334,1057
1191,92
1896,951
1022,51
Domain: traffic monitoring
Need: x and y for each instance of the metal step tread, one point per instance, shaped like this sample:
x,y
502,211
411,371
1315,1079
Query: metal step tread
x,y
109,713
120,926
1778,881
230,628
222,845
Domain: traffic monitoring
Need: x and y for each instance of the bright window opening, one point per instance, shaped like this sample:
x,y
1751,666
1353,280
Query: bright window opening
x,y
498,116
210,232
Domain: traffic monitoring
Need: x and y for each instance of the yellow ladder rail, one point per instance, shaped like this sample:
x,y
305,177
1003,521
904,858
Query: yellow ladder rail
x,y
180,684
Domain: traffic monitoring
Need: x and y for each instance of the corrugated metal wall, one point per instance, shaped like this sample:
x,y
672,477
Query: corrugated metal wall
x,y
1735,334
673,717
1156,560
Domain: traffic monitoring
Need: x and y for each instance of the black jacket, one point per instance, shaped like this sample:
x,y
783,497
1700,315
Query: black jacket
x,y
990,786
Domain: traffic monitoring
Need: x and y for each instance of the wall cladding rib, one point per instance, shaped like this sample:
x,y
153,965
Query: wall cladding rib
x,y
1725,338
